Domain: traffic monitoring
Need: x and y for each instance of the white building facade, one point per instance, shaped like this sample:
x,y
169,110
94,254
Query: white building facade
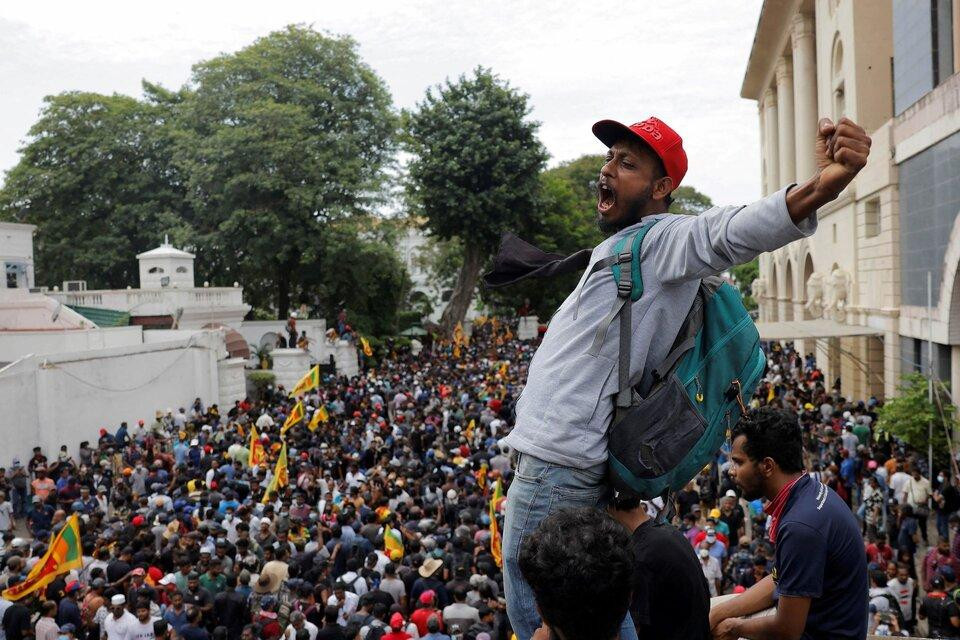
x,y
837,293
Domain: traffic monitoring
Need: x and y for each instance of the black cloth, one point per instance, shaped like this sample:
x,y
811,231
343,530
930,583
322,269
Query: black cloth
x,y
671,598
230,608
16,622
517,260
334,632
938,609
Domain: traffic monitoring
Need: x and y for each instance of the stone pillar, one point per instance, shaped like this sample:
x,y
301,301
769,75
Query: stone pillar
x,y
786,135
771,134
763,148
804,95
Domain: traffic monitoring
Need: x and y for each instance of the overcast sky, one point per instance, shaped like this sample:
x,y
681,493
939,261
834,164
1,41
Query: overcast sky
x,y
579,61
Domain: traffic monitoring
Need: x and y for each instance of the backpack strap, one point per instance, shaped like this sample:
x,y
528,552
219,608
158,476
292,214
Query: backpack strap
x,y
625,267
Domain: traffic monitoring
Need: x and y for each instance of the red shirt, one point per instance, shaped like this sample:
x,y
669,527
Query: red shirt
x,y
420,617
700,537
876,554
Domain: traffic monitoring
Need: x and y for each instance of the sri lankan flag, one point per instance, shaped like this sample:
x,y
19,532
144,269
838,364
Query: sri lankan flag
x,y
65,554
392,544
307,382
496,544
367,351
320,415
280,477
257,454
296,415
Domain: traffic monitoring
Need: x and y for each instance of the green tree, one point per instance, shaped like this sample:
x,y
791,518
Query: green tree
x,y
908,416
474,170
94,176
744,274
278,140
689,201
357,269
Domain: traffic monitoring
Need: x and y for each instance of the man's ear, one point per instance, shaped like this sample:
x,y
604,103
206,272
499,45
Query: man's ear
x,y
662,188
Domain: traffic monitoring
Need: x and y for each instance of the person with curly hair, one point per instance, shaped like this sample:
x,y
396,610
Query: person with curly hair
x,y
579,566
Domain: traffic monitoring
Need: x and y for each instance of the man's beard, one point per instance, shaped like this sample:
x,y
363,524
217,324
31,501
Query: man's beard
x,y
634,212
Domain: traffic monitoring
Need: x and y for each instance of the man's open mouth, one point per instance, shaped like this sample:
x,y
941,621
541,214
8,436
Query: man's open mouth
x,y
606,198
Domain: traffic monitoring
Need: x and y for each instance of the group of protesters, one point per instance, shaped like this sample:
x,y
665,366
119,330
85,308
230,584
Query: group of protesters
x,y
385,522
375,524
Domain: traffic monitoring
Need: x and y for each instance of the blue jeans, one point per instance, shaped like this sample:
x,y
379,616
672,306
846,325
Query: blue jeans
x,y
943,525
538,489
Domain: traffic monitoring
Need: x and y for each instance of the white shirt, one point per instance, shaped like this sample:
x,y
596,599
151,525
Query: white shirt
x,y
918,492
142,631
712,572
347,608
121,628
311,628
354,581
898,482
264,421
6,516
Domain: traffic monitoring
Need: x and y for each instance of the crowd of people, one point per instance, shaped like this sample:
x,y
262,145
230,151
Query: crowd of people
x,y
182,538
383,526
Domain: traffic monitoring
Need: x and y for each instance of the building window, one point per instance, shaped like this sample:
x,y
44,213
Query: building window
x,y
16,275
941,32
181,269
155,270
871,218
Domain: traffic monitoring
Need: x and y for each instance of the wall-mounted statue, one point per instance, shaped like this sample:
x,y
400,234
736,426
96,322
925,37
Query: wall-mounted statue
x,y
814,303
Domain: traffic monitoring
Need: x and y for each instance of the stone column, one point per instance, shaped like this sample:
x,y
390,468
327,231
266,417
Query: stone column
x,y
763,148
786,134
771,134
804,94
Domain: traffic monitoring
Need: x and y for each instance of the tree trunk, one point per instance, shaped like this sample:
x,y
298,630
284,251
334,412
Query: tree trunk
x,y
283,292
462,296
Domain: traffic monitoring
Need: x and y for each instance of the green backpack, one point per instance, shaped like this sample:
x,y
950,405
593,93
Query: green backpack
x,y
658,443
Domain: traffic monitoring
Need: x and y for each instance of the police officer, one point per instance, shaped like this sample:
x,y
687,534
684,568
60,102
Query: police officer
x,y
941,611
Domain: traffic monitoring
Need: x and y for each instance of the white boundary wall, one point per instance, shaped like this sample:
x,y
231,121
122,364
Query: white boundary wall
x,y
66,398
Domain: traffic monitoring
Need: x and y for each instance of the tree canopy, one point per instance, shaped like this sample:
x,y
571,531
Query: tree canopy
x,y
94,176
275,141
474,170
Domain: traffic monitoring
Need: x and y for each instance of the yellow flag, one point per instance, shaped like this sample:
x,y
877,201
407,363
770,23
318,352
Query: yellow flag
x,y
468,434
307,382
456,351
503,370
296,415
367,351
458,337
320,415
496,544
257,454
280,477
65,554
392,543
771,395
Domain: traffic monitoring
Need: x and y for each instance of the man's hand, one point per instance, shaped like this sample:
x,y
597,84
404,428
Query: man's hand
x,y
841,151
727,630
543,633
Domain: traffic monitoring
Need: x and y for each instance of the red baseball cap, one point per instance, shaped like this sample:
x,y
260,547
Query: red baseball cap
x,y
656,134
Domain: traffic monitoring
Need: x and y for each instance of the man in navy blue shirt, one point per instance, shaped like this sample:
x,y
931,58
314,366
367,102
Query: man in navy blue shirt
x,y
819,581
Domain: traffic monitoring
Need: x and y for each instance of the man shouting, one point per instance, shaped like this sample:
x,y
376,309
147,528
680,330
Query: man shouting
x,y
568,401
